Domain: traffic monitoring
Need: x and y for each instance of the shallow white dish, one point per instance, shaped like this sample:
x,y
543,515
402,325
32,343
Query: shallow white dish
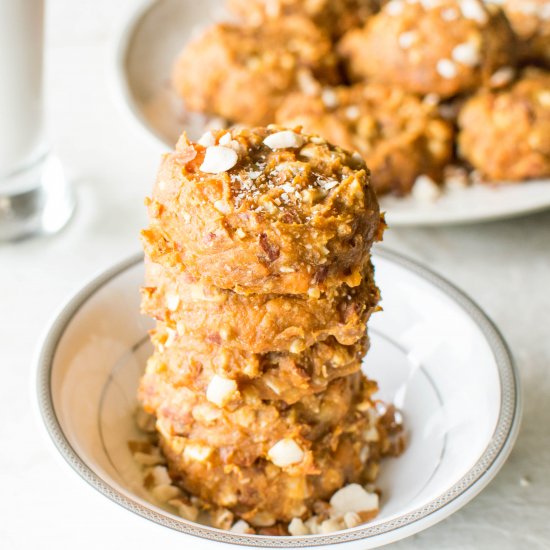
x,y
434,354
155,34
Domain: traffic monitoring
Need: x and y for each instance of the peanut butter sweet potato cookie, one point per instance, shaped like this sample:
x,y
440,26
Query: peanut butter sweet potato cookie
x,y
442,47
400,136
263,211
242,73
506,134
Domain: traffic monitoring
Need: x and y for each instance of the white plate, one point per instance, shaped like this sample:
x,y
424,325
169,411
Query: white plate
x,y
434,354
146,50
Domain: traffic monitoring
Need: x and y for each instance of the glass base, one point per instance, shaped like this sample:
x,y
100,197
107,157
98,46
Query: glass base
x,y
35,201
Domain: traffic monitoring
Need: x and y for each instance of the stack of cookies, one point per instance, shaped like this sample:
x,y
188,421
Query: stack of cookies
x,y
258,273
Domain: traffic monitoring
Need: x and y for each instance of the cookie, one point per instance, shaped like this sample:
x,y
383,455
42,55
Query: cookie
x,y
264,211
400,136
443,47
505,135
241,73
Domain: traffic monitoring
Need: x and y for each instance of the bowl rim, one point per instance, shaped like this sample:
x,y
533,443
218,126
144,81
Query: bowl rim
x,y
465,489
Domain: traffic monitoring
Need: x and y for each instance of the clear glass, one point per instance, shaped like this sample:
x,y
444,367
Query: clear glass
x,y
35,197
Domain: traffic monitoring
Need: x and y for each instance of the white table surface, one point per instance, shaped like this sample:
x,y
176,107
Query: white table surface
x,y
504,266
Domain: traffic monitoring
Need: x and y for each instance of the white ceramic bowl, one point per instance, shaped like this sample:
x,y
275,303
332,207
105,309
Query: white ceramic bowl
x,y
147,47
434,354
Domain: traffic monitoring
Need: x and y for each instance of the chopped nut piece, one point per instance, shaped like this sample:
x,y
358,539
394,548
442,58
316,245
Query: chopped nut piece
x,y
297,528
285,452
164,493
222,518
197,451
172,301
446,68
473,9
221,390
502,77
353,498
219,159
186,511
286,139
160,476
425,189
207,139
467,54
331,525
242,528
351,519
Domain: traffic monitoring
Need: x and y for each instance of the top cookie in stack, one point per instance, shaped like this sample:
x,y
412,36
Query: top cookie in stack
x,y
264,211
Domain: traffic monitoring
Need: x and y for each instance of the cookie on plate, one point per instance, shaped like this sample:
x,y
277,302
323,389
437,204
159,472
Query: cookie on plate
x,y
304,452
275,375
257,323
400,136
506,134
440,47
241,73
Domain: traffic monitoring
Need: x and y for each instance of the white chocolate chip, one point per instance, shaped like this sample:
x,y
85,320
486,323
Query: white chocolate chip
x,y
297,528
472,9
467,54
449,14
429,4
543,98
502,77
286,139
431,99
352,112
425,189
207,139
527,8
329,98
218,159
446,68
285,452
394,8
353,498
197,451
220,390
407,39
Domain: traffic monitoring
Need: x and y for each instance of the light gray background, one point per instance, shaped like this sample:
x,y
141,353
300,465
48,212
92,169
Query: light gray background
x,y
504,266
